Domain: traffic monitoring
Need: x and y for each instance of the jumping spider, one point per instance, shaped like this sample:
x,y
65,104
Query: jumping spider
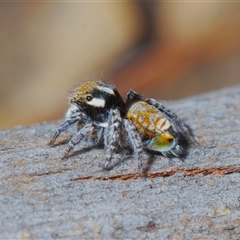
x,y
104,118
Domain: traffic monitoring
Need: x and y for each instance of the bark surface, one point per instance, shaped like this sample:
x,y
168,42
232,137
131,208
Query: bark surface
x,y
45,197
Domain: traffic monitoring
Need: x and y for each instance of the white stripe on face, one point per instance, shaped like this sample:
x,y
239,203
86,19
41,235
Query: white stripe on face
x,y
97,102
106,89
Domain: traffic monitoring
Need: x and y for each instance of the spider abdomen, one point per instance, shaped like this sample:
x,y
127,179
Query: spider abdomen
x,y
152,125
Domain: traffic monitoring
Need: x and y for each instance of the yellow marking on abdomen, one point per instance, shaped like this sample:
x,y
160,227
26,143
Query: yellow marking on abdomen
x,y
147,119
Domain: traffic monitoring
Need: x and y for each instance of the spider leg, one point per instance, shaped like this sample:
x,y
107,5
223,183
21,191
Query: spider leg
x,y
135,142
73,114
112,135
90,133
177,151
183,129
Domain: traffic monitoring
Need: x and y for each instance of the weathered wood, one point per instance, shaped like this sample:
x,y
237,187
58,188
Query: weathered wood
x,y
44,197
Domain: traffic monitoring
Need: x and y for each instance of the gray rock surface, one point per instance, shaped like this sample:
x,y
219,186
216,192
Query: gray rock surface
x,y
44,197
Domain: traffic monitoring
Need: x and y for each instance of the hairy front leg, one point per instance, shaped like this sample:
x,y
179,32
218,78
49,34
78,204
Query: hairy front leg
x,y
73,115
90,133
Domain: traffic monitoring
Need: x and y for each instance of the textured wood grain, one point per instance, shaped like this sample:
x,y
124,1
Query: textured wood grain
x,y
44,197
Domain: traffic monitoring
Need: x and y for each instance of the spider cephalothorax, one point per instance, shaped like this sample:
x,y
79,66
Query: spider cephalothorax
x,y
104,118
95,99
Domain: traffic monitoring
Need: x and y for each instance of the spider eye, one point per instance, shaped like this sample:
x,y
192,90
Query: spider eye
x,y
89,98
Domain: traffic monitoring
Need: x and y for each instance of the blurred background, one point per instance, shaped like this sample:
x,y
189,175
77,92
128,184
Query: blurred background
x,y
165,50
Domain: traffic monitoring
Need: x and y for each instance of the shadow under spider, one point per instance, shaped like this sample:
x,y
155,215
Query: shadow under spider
x,y
83,150
146,167
126,154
